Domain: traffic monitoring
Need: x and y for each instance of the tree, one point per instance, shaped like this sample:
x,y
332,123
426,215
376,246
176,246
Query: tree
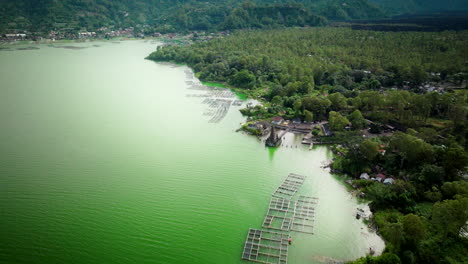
x,y
414,228
452,189
373,84
243,79
449,216
277,100
337,121
434,195
431,175
421,106
388,258
454,159
411,149
338,101
297,105
308,116
357,120
369,149
385,258
417,74
318,106
292,88
306,87
427,134
371,100
393,233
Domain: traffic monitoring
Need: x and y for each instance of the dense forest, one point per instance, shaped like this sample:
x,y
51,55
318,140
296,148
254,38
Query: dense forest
x,y
325,56
367,81
176,16
449,20
396,7
181,15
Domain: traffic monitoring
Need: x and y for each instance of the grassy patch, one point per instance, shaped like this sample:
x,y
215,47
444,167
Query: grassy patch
x,y
240,95
214,84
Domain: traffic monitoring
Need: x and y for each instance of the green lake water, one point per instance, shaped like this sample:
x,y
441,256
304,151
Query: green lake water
x,y
105,159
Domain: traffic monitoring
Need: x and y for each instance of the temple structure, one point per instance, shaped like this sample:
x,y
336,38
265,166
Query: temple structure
x,y
273,140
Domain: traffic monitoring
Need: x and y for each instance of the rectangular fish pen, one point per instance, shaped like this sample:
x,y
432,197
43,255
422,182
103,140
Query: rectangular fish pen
x,y
290,186
280,214
266,247
304,213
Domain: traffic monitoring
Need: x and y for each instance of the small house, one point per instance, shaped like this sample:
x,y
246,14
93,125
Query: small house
x,y
364,176
277,120
297,121
380,177
389,181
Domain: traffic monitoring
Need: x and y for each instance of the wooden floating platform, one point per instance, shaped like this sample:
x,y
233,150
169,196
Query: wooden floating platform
x,y
283,215
304,212
280,214
266,247
286,215
290,186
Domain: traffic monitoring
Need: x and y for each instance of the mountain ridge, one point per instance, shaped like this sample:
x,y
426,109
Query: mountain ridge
x,y
182,15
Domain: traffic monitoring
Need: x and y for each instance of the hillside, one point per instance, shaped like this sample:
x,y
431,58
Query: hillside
x,y
397,7
180,15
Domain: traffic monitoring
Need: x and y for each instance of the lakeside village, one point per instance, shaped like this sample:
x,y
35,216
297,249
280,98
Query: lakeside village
x,y
63,33
271,132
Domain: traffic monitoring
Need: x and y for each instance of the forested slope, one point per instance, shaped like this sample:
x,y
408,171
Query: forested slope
x,y
396,7
364,82
179,15
325,56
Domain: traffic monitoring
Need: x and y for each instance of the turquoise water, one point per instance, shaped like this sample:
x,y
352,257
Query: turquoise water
x,y
105,159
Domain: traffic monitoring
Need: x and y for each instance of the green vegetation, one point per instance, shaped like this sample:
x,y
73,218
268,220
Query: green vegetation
x,y
176,16
323,69
300,59
419,6
347,77
213,84
150,16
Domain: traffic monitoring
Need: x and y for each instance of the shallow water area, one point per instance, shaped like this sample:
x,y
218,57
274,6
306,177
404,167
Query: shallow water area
x,y
110,158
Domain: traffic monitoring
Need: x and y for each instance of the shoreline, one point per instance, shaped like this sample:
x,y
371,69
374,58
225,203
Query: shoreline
x,y
363,209
65,41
